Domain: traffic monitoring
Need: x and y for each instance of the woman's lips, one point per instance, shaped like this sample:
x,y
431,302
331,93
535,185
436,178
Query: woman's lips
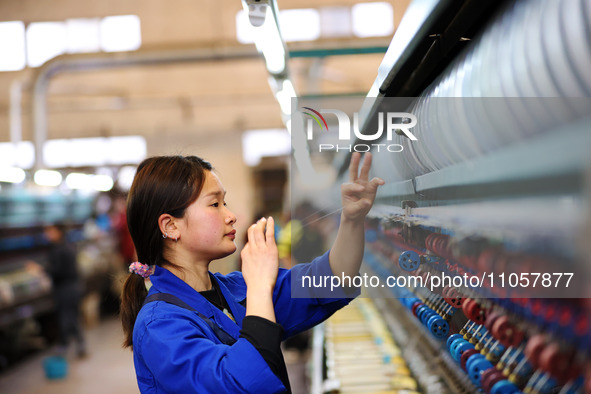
x,y
231,234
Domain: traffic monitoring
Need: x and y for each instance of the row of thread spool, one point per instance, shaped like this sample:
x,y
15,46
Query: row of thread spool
x,y
526,75
504,345
361,356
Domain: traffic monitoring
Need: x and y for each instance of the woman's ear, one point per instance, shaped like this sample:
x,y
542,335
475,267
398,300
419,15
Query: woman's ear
x,y
168,226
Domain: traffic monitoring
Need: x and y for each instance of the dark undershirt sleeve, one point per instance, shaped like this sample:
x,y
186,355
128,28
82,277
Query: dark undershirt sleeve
x,y
266,336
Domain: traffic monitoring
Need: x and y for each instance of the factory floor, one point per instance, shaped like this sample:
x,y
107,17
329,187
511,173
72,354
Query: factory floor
x,y
108,368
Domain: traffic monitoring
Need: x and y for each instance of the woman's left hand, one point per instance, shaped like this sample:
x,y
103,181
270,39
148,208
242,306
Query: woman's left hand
x,y
359,193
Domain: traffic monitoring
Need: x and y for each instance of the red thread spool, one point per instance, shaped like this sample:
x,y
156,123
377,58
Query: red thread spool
x,y
454,298
466,303
466,355
558,363
429,241
489,378
474,311
491,318
503,330
435,244
534,347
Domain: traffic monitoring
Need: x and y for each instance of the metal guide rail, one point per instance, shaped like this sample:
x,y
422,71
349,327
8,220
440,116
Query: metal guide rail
x,y
427,359
361,355
505,315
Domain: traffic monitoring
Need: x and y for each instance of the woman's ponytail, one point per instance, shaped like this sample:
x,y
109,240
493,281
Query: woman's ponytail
x,y
132,298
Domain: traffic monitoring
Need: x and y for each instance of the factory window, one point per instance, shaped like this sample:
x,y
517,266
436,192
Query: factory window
x,y
45,40
290,23
12,46
89,182
81,152
257,144
362,20
83,35
335,22
21,154
121,33
373,19
42,41
77,152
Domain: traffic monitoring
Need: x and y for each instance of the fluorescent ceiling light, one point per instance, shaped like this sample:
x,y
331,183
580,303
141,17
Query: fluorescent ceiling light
x,y
80,152
102,183
83,152
12,175
86,152
76,180
257,144
56,153
45,40
12,46
290,22
80,181
120,33
47,178
82,35
20,155
300,24
125,150
334,21
373,19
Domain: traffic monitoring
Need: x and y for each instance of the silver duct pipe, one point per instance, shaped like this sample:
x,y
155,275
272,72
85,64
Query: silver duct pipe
x,y
15,120
78,63
104,61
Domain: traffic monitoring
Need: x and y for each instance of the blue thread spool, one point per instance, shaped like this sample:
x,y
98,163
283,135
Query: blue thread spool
x,y
452,338
409,260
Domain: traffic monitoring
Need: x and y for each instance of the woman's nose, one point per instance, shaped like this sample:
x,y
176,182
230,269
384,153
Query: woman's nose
x,y
231,218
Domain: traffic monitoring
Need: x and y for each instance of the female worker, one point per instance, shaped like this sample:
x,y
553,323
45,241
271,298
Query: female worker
x,y
212,333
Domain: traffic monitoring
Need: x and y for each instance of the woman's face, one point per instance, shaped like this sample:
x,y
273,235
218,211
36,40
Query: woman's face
x,y
207,229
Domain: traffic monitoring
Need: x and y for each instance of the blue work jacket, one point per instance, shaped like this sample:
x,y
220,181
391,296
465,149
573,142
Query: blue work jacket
x,y
175,351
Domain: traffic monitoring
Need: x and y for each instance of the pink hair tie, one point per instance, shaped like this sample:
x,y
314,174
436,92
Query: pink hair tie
x,y
142,270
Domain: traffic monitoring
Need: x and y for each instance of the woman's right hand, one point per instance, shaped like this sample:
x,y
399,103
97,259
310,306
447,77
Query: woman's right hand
x,y
260,264
260,259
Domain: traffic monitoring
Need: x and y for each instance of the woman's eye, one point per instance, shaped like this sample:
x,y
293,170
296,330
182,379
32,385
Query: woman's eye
x,y
215,204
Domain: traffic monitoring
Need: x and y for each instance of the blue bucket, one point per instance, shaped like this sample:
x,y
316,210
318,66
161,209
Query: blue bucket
x,y
56,367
